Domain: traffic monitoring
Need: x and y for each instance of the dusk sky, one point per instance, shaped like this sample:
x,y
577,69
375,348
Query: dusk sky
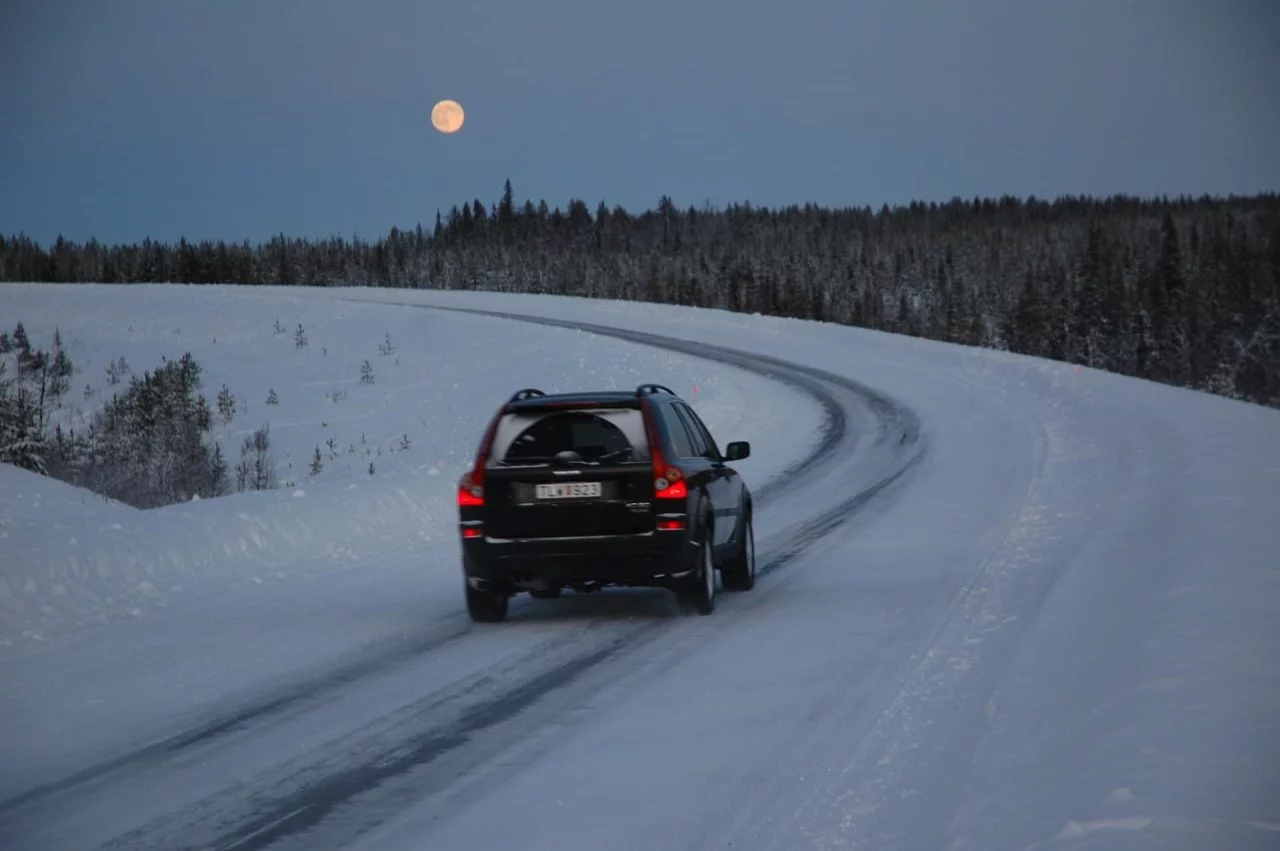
x,y
238,119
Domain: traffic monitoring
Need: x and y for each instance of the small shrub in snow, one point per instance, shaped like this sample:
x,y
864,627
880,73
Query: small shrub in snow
x,y
404,442
278,328
117,370
20,341
299,337
60,376
226,406
371,468
366,373
317,463
256,469
385,347
333,448
272,398
88,391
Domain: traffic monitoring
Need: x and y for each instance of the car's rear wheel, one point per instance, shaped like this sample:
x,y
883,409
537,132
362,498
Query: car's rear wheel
x,y
488,606
700,592
740,573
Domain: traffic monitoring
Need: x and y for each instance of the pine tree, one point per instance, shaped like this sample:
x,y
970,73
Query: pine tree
x,y
317,463
20,341
226,405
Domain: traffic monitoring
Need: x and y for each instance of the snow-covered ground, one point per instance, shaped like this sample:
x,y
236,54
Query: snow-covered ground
x,y
72,558
1058,630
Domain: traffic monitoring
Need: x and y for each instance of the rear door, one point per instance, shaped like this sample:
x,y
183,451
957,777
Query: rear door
x,y
719,487
559,473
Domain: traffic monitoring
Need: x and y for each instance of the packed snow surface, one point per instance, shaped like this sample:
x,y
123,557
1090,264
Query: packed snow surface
x,y
1058,629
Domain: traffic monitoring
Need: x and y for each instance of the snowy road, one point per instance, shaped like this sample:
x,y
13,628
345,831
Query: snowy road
x,y
400,722
1007,605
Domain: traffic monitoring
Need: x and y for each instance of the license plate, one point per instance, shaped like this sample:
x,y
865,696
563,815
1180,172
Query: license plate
x,y
568,490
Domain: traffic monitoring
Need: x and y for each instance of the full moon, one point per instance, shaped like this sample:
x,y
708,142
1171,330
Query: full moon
x,y
447,116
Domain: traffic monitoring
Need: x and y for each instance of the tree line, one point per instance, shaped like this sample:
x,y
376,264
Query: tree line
x,y
1184,291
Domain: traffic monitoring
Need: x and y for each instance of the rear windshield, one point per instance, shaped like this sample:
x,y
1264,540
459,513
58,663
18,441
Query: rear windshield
x,y
596,435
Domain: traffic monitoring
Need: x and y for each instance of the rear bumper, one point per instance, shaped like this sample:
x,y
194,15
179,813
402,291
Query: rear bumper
x,y
622,559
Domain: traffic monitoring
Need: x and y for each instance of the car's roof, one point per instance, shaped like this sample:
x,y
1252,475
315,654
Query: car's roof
x,y
604,397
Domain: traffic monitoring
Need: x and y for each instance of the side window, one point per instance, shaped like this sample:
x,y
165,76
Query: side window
x,y
695,436
698,428
679,434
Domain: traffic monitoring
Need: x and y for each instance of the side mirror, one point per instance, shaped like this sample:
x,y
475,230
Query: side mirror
x,y
737,450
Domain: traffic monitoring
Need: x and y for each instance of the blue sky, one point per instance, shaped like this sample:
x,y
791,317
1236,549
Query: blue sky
x,y
237,119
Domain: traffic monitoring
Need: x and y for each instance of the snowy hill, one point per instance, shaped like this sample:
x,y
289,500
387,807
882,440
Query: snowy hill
x,y
70,559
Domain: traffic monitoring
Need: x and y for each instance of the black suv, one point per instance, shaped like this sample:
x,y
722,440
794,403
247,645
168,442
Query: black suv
x,y
589,490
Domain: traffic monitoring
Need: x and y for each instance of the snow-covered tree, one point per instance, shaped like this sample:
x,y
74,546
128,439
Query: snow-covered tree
x,y
256,469
226,406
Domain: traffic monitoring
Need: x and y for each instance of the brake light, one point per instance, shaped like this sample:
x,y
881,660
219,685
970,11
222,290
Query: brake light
x,y
471,532
470,494
670,525
471,485
665,489
668,482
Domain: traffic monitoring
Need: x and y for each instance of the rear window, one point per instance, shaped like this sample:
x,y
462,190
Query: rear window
x,y
596,435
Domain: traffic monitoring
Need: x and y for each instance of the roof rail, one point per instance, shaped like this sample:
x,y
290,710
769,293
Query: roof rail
x,y
649,389
526,393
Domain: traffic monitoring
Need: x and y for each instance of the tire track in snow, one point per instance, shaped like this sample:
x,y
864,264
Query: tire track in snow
x,y
298,798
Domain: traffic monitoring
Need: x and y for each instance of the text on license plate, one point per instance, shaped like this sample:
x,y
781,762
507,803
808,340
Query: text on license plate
x,y
568,490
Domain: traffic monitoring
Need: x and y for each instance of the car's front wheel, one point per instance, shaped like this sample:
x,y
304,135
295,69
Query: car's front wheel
x,y
488,606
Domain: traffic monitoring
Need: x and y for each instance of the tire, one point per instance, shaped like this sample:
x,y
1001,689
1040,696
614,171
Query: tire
x,y
486,606
740,574
700,591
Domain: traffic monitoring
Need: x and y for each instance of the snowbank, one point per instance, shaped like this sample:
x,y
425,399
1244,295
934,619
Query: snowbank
x,y
70,559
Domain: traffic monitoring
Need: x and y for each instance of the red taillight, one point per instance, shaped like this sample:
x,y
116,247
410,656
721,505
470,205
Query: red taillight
x,y
668,482
664,488
670,525
471,532
469,493
471,485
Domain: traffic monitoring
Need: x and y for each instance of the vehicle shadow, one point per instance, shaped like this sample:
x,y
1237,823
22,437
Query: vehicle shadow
x,y
624,604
